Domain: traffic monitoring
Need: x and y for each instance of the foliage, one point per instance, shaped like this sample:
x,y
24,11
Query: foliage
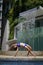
x,y
17,7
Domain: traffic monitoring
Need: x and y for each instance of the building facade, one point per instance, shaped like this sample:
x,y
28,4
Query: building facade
x,y
30,30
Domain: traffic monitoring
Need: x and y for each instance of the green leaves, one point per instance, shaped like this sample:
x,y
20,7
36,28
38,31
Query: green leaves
x,y
17,7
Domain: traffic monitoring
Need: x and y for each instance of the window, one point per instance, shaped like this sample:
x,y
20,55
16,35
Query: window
x,y
0,4
39,23
0,14
1,1
0,24
0,32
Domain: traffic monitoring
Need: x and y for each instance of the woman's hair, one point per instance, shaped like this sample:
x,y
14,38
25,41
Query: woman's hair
x,y
14,48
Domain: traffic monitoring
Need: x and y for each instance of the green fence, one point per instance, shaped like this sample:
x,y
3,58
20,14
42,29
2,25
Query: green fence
x,y
33,37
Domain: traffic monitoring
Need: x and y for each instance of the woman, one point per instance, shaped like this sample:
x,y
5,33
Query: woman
x,y
15,47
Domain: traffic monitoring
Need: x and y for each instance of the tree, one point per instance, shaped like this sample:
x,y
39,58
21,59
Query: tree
x,y
20,6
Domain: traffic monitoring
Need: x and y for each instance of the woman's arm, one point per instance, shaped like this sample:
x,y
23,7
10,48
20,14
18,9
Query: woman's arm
x,y
16,51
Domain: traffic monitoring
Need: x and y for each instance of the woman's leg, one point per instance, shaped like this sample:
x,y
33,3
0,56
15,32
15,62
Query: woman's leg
x,y
29,47
29,50
16,52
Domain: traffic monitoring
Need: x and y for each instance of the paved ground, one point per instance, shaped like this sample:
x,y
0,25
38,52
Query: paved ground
x,y
22,55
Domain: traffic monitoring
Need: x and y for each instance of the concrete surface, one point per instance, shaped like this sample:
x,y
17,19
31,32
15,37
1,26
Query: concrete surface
x,y
21,53
22,56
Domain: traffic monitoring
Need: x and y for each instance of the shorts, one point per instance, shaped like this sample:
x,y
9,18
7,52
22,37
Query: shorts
x,y
18,44
21,44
